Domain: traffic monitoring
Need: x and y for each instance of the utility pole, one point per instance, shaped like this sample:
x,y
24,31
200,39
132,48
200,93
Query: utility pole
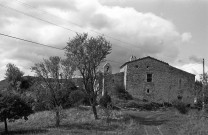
x,y
203,83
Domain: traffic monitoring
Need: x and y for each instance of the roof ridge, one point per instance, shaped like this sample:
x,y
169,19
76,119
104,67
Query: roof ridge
x,y
142,59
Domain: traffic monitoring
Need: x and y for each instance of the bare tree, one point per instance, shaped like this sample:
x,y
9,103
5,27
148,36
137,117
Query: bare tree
x,y
54,73
87,54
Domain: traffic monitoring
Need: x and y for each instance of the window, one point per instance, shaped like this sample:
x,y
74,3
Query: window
x,y
149,77
136,66
147,91
147,67
179,83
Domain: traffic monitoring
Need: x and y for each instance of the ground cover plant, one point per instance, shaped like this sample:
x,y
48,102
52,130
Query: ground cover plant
x,y
80,120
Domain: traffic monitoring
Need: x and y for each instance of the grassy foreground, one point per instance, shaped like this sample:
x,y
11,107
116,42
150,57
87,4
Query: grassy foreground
x,y
81,121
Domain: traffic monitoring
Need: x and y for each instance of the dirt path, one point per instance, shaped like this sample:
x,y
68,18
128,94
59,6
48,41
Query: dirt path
x,y
151,121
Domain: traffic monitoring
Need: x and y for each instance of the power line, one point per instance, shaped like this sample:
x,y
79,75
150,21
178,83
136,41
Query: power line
x,y
56,47
98,33
28,5
30,41
40,19
36,43
48,22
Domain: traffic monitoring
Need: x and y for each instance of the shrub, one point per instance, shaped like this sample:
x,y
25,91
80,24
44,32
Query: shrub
x,y
105,101
144,100
152,106
167,104
121,93
75,98
13,107
180,106
198,104
132,104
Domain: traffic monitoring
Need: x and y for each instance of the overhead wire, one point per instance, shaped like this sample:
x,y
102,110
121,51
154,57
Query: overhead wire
x,y
31,41
69,21
40,44
66,28
28,5
39,19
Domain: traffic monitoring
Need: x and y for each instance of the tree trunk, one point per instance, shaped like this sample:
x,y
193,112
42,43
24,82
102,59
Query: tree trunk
x,y
94,111
57,118
5,123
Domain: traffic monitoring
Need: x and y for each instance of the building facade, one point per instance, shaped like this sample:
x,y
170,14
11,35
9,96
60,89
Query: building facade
x,y
152,79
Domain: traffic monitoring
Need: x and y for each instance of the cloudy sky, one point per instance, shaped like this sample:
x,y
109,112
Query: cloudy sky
x,y
175,31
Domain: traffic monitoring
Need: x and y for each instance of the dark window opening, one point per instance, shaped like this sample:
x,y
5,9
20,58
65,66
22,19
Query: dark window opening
x,y
179,83
149,77
148,91
107,69
147,67
113,80
179,97
136,66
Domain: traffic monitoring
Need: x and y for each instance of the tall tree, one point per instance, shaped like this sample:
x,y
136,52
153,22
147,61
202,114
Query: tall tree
x,y
87,54
12,107
54,74
13,75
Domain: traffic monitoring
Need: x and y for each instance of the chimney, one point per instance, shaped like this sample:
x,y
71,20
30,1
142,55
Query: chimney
x,y
132,58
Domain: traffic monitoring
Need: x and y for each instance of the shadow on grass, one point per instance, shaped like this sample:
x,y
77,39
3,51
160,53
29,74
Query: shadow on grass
x,y
26,131
148,121
89,126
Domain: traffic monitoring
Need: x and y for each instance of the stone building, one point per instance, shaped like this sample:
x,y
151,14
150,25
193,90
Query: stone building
x,y
151,79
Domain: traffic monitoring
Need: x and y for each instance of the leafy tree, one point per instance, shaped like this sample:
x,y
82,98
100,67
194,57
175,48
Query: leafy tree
x,y
12,107
87,54
54,74
204,78
198,88
13,75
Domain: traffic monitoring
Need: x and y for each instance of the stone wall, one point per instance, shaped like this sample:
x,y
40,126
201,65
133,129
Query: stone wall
x,y
181,84
136,79
167,82
113,80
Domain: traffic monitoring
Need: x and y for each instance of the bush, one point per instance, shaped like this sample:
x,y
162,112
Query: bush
x,y
152,106
75,98
105,101
180,106
121,93
167,104
132,104
144,100
198,105
12,107
38,106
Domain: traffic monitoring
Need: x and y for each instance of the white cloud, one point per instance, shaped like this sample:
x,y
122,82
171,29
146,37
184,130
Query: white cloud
x,y
194,68
148,33
186,37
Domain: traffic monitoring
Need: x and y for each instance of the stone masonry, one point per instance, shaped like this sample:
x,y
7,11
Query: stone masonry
x,y
152,79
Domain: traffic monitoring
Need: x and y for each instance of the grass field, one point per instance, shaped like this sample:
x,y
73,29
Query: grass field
x,y
80,121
